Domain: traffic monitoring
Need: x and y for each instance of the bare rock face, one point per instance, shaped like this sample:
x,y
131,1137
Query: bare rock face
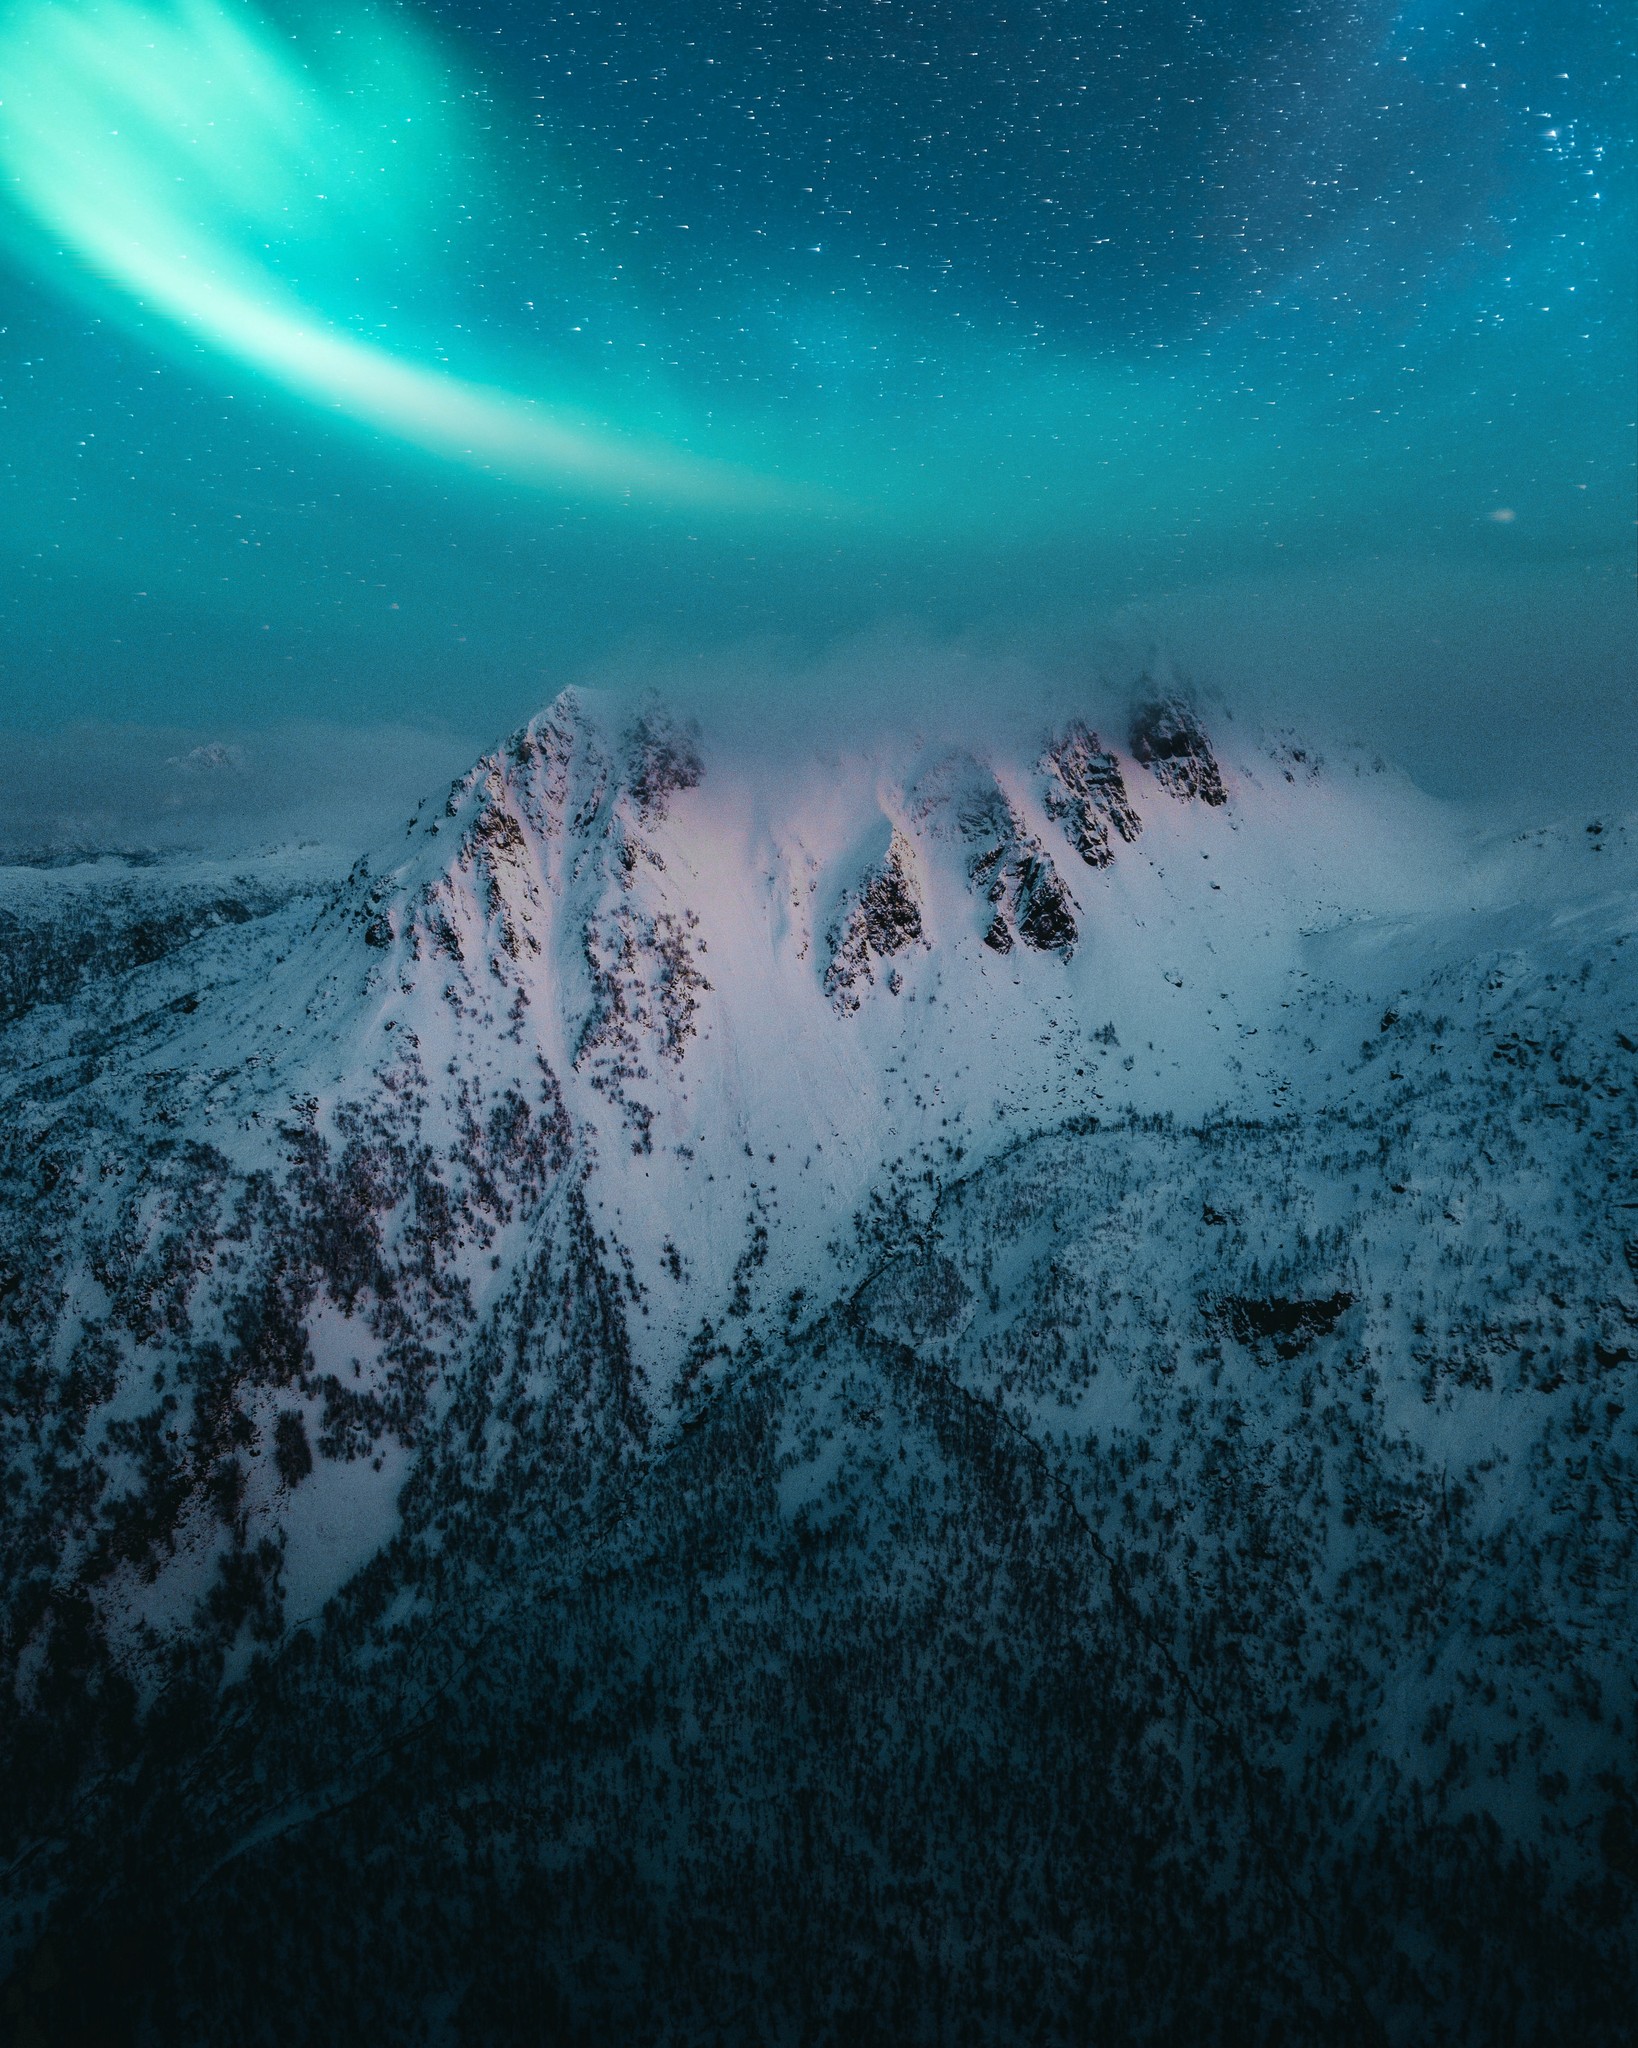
x,y
664,758
1046,919
1171,743
1016,875
1086,793
552,883
881,918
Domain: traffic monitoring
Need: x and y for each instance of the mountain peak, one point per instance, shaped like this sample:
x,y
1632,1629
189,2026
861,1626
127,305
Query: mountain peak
x,y
723,1203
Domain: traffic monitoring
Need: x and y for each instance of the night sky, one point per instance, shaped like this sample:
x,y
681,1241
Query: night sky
x,y
403,363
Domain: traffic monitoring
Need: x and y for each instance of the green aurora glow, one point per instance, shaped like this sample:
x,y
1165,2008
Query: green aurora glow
x,y
177,151
354,230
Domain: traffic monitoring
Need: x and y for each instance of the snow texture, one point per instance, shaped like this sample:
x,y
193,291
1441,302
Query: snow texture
x,y
709,1407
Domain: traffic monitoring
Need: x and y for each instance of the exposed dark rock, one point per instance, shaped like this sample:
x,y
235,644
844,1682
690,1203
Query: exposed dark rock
x,y
882,918
1086,793
646,977
1295,760
1170,741
1046,920
1014,872
664,758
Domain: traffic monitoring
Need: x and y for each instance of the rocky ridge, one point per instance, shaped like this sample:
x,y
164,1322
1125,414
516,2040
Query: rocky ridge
x,y
570,1446
1168,739
1086,791
879,917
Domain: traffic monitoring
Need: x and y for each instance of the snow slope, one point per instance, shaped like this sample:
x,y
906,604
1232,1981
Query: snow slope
x,y
1220,1150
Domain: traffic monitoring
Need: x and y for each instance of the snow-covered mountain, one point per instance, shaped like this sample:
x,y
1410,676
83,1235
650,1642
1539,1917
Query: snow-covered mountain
x,y
926,1392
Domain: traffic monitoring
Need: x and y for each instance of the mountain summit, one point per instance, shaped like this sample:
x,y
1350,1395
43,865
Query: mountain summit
x,y
938,1391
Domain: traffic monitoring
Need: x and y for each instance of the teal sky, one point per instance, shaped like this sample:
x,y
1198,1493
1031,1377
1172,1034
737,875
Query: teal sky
x,y
399,364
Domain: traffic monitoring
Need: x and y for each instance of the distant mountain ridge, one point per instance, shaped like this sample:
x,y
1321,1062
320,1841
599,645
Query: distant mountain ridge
x,y
1005,1364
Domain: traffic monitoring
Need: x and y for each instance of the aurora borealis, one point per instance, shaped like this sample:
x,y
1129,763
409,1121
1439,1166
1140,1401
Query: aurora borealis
x,y
392,362
175,155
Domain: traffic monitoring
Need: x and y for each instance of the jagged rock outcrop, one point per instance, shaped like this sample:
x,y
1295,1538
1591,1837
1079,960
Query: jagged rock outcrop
x,y
1086,792
554,831
1171,743
1017,876
880,918
663,757
1005,863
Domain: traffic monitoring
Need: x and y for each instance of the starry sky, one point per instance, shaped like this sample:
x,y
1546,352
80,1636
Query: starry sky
x,y
399,363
